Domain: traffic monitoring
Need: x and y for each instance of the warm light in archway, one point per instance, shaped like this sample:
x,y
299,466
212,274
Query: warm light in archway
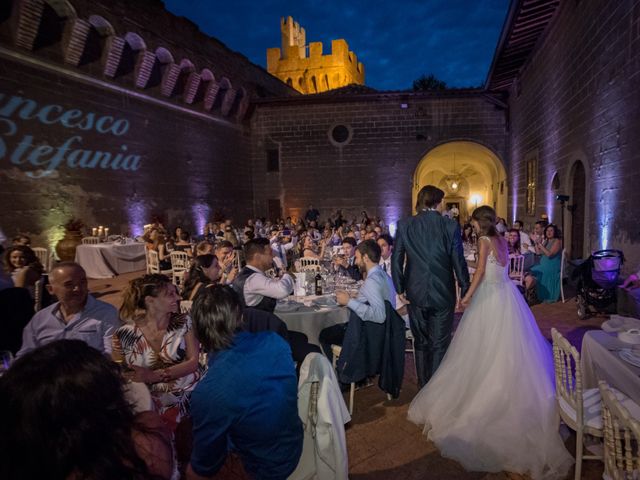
x,y
476,199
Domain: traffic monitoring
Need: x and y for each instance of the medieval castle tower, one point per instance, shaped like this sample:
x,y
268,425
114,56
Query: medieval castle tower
x,y
309,71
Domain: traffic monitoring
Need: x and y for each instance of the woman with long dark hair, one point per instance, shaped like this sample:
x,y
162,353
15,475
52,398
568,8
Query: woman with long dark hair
x,y
545,277
24,267
64,416
491,403
204,271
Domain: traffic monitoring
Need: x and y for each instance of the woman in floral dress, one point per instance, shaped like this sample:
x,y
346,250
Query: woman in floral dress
x,y
158,344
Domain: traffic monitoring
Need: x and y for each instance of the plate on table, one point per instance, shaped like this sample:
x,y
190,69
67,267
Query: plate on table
x,y
287,307
618,323
631,336
325,302
628,356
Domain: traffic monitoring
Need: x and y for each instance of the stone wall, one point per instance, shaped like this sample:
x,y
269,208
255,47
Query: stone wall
x,y
389,135
577,101
117,163
117,111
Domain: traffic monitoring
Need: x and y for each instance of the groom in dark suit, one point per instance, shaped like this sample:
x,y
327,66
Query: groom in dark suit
x,y
427,252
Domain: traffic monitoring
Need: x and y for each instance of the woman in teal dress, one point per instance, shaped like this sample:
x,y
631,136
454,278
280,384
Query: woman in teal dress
x,y
545,276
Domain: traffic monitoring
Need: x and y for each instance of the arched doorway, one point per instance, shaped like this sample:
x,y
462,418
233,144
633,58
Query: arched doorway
x,y
469,173
577,209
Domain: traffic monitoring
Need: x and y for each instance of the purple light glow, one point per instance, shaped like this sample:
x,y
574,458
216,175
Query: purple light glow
x,y
137,215
200,213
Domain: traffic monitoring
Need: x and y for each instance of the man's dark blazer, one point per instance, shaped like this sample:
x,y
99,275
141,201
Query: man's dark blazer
x,y
432,247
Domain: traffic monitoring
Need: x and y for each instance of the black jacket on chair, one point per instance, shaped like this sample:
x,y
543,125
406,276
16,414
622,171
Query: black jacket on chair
x,y
432,247
371,348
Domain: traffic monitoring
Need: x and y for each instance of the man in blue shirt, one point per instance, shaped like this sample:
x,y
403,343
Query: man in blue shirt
x,y
76,315
247,400
369,303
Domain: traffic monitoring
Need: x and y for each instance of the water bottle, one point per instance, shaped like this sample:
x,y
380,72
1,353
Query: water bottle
x,y
318,280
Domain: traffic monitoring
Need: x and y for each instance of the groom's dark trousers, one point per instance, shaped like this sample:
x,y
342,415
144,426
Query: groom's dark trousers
x,y
427,260
431,329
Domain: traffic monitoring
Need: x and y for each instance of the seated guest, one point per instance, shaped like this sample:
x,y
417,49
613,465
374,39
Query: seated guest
x,y
204,247
76,315
513,242
545,276
255,288
156,241
525,240
23,240
183,243
158,344
228,261
385,242
468,237
24,267
346,263
247,402
309,249
369,303
282,242
537,235
64,415
204,271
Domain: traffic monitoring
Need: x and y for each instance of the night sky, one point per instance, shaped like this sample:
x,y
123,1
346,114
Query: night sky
x,y
396,41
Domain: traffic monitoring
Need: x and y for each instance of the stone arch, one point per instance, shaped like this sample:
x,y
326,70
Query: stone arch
x,y
289,82
175,77
326,82
160,61
88,40
479,173
577,216
314,84
132,59
223,86
241,104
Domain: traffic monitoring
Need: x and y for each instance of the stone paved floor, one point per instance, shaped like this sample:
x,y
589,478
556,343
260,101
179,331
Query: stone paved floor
x,y
381,443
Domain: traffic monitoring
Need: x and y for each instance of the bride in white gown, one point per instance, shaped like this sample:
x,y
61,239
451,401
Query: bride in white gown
x,y
490,405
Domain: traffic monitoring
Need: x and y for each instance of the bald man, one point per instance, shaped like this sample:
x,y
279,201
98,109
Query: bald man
x,y
76,315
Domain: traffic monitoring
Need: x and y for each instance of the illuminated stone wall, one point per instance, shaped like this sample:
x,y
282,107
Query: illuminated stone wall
x,y
117,111
577,101
387,136
312,72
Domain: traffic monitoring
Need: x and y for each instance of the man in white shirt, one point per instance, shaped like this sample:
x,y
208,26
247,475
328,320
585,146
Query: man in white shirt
x,y
77,315
525,240
369,303
385,242
281,244
257,289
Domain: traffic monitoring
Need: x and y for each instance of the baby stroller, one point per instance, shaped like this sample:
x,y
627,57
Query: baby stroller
x,y
598,279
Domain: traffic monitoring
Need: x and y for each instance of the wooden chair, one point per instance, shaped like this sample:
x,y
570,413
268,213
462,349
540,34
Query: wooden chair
x,y
43,256
90,240
621,436
337,350
179,264
308,264
153,264
579,409
516,269
412,348
38,292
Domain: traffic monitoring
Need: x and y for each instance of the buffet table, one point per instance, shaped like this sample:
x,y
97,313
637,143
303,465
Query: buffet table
x,y
106,260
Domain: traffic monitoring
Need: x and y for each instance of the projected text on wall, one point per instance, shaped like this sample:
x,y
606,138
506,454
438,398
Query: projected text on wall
x,y
22,148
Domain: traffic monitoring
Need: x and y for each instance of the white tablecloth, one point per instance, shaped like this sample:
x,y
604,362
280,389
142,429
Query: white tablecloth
x,y
106,260
312,320
601,361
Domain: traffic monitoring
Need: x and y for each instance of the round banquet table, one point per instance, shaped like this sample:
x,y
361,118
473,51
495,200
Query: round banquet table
x,y
312,319
106,260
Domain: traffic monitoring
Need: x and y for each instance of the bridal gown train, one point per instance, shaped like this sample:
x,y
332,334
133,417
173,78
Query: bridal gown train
x,y
490,405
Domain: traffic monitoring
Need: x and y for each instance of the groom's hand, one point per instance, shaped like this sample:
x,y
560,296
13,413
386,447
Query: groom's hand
x,y
403,298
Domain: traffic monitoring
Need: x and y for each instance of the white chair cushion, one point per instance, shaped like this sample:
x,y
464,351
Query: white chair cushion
x,y
592,407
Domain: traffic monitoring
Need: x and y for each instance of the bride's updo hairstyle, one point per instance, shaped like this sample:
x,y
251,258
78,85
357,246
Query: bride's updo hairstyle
x,y
486,218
